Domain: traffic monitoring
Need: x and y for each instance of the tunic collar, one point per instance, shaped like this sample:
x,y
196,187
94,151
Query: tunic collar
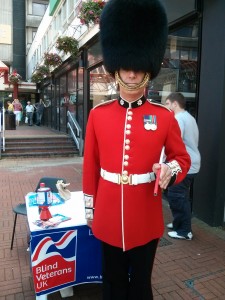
x,y
137,103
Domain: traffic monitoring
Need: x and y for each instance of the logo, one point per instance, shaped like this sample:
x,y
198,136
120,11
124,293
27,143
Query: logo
x,y
54,259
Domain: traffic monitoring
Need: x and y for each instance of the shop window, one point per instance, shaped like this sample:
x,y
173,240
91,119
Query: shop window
x,y
63,91
102,86
94,54
72,90
47,98
179,67
80,98
176,9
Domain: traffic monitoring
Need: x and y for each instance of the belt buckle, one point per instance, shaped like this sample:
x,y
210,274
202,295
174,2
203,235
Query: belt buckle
x,y
124,179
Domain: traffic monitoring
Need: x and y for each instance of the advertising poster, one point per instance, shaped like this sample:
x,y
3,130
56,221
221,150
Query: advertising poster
x,y
64,257
53,260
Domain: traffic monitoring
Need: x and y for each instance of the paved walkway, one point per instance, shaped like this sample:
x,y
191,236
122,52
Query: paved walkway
x,y
28,131
183,269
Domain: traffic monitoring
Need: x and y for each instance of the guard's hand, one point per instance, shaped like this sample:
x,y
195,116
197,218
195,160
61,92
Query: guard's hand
x,y
89,223
165,174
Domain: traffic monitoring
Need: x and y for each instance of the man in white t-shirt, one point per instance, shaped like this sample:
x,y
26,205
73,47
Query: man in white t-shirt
x,y
29,113
179,195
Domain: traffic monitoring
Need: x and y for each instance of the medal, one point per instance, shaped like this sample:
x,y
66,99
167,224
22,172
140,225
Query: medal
x,y
147,126
154,127
150,122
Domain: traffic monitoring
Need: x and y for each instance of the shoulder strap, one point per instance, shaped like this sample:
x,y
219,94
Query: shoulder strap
x,y
158,104
104,103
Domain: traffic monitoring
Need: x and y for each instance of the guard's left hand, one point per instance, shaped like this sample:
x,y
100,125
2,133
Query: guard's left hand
x,y
165,174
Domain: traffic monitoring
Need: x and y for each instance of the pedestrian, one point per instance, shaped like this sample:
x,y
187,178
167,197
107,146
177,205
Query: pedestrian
x,y
123,144
39,111
179,195
9,107
17,109
29,113
1,119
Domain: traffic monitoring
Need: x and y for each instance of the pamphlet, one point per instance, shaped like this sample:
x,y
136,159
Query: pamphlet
x,y
56,199
53,222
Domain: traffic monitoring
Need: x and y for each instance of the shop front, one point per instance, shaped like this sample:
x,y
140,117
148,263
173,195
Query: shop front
x,y
63,93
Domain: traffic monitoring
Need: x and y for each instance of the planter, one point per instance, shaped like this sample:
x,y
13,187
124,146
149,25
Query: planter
x,y
40,74
52,59
14,77
90,12
67,44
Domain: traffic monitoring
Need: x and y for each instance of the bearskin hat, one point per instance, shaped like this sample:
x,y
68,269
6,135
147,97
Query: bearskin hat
x,y
133,35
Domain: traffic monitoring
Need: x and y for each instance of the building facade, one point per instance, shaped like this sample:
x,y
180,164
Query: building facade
x,y
19,21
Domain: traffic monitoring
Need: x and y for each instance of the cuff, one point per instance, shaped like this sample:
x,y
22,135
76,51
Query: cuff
x,y
174,167
89,209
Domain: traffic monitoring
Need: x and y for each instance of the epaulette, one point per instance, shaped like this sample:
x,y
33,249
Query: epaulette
x,y
158,104
105,103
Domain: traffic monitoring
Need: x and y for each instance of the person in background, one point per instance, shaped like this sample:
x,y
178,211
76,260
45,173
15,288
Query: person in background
x,y
17,108
39,111
123,144
10,107
29,113
1,105
179,195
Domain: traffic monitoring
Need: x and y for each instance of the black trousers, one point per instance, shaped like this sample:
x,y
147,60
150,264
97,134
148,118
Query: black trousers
x,y
127,275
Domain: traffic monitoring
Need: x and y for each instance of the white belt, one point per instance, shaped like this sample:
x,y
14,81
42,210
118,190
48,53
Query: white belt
x,y
132,179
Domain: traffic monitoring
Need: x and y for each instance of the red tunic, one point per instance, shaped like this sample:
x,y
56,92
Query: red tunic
x,y
126,215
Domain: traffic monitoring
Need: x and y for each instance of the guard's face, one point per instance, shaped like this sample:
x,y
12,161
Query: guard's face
x,y
131,77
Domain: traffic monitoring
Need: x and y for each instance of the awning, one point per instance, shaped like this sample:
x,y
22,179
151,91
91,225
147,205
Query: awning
x,y
3,67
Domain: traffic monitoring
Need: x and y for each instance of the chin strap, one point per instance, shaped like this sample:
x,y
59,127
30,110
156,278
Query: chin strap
x,y
133,87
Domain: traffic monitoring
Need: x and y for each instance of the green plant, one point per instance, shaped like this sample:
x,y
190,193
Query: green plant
x,y
14,77
90,11
67,44
52,59
36,77
40,74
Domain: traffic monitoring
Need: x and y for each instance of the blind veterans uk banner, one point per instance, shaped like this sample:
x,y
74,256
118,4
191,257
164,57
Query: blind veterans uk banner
x,y
64,257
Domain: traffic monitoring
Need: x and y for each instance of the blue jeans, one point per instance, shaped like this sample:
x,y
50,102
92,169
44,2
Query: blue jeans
x,y
39,117
179,200
30,118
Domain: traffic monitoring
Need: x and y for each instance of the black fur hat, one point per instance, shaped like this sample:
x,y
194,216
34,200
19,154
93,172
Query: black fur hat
x,y
133,35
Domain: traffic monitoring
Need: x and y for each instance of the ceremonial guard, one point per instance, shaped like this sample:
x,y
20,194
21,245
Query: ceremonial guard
x,y
124,141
